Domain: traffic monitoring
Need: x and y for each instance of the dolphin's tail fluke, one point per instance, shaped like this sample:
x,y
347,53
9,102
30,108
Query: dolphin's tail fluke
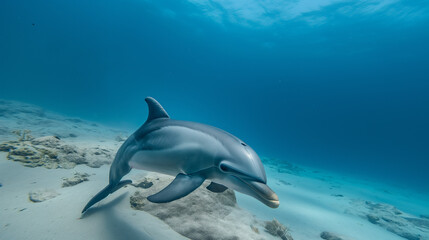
x,y
105,192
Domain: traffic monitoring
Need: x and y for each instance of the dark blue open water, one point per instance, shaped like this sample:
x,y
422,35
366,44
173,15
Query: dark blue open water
x,y
332,84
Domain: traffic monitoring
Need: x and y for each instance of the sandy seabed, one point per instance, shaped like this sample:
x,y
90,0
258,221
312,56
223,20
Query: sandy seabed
x,y
47,177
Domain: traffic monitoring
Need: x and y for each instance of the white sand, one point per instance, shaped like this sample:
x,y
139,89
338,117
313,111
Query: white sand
x,y
307,208
309,203
59,218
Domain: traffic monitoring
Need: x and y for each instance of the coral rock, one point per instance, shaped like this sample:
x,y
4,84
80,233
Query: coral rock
x,y
42,195
330,236
76,179
275,228
50,152
190,215
6,147
48,141
392,219
23,152
137,200
145,183
373,219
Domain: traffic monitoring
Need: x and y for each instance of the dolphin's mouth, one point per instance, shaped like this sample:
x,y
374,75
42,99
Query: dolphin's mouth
x,y
264,193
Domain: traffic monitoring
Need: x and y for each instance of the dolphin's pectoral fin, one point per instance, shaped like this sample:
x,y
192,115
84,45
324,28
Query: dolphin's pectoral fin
x,y
216,187
181,186
104,193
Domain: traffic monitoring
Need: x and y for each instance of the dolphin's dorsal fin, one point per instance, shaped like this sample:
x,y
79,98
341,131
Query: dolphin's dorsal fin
x,y
155,110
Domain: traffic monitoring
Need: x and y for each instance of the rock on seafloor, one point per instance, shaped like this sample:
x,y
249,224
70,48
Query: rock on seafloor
x,y
38,138
202,214
330,236
51,152
144,183
42,195
275,228
137,200
76,179
392,219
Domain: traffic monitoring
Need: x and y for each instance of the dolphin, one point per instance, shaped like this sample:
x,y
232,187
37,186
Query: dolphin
x,y
193,152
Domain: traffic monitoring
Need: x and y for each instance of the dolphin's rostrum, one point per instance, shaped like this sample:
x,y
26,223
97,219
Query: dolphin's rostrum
x,y
193,152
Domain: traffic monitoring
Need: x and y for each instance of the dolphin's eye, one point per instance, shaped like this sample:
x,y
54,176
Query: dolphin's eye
x,y
223,167
243,144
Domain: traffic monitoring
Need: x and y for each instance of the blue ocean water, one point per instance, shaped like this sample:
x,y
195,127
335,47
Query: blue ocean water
x,y
332,84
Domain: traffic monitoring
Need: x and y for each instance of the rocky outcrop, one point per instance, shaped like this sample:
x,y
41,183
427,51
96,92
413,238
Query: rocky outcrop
x,y
203,215
275,228
52,152
42,195
392,219
76,179
330,236
144,183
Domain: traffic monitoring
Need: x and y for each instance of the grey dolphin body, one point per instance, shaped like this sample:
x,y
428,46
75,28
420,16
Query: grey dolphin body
x,y
192,152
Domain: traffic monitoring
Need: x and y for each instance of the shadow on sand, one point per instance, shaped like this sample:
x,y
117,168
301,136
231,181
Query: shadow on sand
x,y
115,227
